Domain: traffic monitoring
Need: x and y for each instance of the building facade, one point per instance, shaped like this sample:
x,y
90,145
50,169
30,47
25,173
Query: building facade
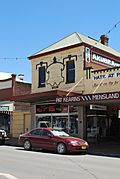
x,y
13,115
75,86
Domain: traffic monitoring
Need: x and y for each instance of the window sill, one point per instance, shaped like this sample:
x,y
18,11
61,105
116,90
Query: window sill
x,y
41,86
70,82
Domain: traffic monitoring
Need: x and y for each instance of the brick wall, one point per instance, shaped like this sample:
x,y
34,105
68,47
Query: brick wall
x,y
5,94
22,88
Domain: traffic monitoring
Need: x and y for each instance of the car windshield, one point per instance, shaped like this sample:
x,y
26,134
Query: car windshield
x,y
59,133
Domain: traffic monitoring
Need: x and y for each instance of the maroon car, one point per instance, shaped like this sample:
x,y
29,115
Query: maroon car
x,y
52,139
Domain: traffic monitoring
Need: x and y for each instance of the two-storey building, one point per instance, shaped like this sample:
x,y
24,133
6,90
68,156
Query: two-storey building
x,y
75,86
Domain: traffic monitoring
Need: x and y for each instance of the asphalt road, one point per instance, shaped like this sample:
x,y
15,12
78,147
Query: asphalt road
x,y
15,163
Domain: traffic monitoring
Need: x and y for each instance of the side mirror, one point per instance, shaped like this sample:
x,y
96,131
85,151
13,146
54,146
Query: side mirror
x,y
50,135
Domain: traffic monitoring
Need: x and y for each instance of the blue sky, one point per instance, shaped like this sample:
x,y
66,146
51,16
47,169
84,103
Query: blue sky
x,y
27,26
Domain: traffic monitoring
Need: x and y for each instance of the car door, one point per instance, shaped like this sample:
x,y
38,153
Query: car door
x,y
48,141
35,138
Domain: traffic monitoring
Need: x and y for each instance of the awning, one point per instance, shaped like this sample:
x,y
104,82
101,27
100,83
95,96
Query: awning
x,y
5,112
43,96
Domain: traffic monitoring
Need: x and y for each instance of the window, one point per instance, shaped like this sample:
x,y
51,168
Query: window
x,y
42,77
59,133
36,132
45,133
70,71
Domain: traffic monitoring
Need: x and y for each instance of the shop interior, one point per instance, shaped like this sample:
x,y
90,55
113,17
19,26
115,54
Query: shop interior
x,y
103,125
5,121
64,122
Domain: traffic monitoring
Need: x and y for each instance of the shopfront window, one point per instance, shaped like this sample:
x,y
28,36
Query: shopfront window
x,y
5,122
43,122
60,122
56,116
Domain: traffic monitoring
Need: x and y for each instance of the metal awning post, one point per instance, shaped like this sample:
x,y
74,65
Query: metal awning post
x,y
68,117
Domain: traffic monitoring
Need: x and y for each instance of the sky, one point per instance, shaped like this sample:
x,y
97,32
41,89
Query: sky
x,y
28,26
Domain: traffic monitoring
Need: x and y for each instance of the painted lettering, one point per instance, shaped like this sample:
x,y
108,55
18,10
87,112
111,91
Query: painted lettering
x,y
104,60
118,74
105,76
110,75
58,100
105,96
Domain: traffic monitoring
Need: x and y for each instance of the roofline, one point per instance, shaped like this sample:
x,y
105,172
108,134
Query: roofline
x,y
105,53
7,79
74,46
56,50
25,82
79,43
37,53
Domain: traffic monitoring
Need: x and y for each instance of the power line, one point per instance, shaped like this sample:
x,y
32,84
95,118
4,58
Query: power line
x,y
9,58
113,28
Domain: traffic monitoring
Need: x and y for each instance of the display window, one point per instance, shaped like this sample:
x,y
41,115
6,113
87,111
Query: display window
x,y
63,122
5,122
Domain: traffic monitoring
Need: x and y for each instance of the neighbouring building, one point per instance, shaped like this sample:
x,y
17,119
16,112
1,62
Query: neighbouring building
x,y
15,117
76,86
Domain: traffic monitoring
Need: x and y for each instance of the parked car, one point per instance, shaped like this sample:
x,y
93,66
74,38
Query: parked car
x,y
3,136
52,139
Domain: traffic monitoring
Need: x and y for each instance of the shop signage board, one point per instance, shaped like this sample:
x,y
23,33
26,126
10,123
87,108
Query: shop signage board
x,y
98,107
107,61
48,108
89,97
4,108
99,58
106,76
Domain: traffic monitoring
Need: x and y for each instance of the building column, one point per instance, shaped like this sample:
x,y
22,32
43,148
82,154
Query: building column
x,y
82,122
33,117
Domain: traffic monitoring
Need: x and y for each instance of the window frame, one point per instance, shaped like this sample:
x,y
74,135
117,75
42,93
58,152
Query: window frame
x,y
41,71
70,71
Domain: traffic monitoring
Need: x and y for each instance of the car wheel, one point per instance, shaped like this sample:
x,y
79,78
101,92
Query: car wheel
x,y
61,148
27,145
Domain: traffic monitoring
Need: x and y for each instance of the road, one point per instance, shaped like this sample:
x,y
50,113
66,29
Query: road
x,y
16,163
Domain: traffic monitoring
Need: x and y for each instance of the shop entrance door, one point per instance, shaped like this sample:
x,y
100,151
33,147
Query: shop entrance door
x,y
27,122
114,127
97,127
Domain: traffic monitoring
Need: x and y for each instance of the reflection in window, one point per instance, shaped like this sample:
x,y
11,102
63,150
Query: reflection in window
x,y
36,132
70,71
59,133
41,76
45,133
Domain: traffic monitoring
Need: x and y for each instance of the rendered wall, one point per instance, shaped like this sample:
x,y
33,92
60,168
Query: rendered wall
x,y
103,81
20,122
54,70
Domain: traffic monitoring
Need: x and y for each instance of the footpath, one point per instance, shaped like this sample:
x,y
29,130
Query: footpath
x,y
110,149
105,148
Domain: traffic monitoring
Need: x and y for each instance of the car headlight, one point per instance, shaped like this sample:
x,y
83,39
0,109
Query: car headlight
x,y
83,143
78,143
86,143
73,143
